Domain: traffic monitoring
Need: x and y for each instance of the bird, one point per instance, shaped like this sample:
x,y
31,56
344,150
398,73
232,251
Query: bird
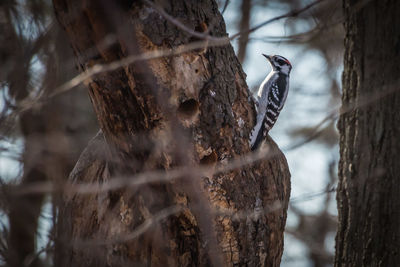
x,y
270,98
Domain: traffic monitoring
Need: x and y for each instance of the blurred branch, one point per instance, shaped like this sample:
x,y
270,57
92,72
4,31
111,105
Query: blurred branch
x,y
225,6
174,210
162,176
209,41
177,23
292,13
303,37
246,31
141,229
101,68
309,196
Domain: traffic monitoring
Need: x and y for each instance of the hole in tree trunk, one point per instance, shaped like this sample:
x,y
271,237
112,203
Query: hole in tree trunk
x,y
210,159
188,109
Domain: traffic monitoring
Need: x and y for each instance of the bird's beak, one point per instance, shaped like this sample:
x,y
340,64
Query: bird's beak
x,y
267,57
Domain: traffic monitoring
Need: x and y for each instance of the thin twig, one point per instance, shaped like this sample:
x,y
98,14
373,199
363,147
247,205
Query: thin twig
x,y
178,24
173,210
225,6
290,14
313,195
165,176
201,35
209,41
141,229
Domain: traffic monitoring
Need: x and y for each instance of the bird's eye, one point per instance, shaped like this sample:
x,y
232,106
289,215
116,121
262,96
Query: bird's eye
x,y
280,62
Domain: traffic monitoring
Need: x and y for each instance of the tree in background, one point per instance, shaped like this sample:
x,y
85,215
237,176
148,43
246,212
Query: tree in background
x,y
35,59
369,186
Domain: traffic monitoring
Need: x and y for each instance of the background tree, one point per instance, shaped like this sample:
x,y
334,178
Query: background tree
x,y
368,199
53,133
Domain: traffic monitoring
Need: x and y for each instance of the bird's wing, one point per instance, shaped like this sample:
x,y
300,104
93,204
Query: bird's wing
x,y
255,100
283,83
261,106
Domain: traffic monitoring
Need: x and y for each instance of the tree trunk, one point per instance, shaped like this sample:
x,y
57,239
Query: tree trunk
x,y
244,26
180,116
368,193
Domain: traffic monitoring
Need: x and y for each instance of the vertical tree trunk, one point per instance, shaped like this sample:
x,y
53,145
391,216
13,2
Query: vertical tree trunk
x,y
244,26
368,193
54,135
162,114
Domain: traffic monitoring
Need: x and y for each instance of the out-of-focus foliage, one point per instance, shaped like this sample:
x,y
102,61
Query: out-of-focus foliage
x,y
40,137
35,59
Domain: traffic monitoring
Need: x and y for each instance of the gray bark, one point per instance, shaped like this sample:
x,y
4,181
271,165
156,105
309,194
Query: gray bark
x,y
368,193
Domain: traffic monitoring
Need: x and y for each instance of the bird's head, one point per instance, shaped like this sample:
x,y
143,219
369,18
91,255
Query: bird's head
x,y
279,63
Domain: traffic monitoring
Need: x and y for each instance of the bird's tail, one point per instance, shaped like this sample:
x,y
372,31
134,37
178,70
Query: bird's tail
x,y
257,134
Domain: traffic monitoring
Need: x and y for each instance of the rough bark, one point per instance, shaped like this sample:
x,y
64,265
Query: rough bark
x,y
368,193
158,115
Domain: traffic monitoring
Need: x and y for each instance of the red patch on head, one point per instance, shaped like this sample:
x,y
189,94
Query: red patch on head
x,y
288,62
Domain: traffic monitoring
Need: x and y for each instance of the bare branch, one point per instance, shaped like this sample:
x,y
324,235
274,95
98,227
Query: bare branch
x,y
141,229
178,24
201,171
174,210
227,2
292,13
209,41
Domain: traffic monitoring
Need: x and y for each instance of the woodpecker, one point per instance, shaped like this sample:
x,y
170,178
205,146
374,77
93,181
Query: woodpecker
x,y
270,98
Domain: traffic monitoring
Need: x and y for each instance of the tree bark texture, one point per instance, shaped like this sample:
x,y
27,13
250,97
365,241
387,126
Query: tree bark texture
x,y
183,111
368,193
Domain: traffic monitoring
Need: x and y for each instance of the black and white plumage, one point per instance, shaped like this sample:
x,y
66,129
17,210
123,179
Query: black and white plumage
x,y
271,97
